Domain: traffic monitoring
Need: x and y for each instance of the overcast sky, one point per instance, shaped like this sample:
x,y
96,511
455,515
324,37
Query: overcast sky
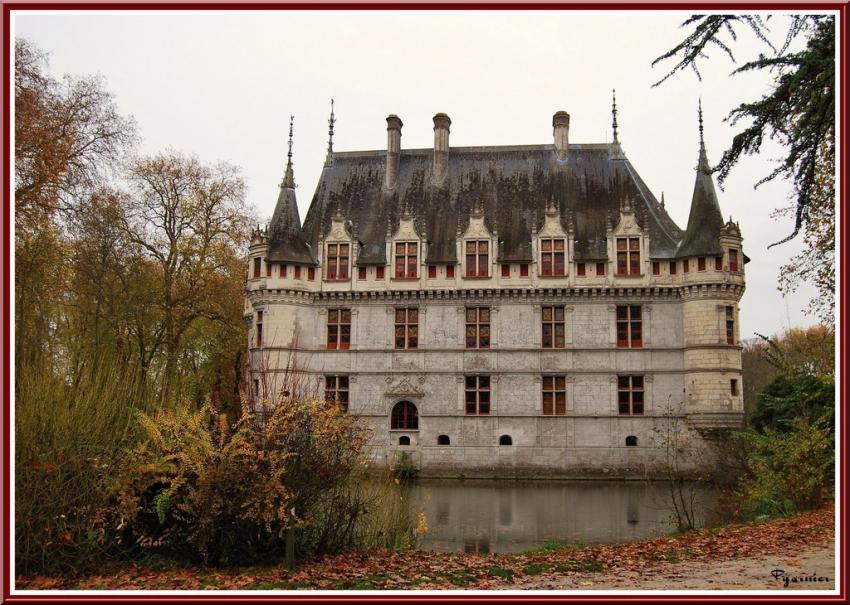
x,y
222,86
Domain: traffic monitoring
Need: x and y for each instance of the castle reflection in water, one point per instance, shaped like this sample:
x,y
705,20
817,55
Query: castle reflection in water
x,y
482,517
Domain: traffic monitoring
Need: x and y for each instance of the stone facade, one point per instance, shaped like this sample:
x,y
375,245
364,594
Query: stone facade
x,y
539,356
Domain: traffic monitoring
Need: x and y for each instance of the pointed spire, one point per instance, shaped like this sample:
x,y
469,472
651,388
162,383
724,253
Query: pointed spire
x,y
702,164
329,160
288,176
614,114
662,199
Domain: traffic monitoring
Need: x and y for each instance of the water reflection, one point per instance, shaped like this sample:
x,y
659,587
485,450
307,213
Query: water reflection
x,y
480,517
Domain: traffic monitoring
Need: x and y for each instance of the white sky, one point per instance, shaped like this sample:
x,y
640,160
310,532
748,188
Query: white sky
x,y
222,86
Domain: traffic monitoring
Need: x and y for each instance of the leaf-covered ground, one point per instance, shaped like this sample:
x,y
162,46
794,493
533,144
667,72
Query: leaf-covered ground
x,y
379,569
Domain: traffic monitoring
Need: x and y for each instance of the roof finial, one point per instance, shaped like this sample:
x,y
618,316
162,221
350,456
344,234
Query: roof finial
x,y
662,199
329,160
701,140
614,113
288,177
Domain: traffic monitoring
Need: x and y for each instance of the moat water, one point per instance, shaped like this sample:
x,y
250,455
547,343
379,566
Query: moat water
x,y
508,516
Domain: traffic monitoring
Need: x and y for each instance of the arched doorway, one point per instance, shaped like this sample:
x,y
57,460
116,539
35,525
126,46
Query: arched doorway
x,y
404,416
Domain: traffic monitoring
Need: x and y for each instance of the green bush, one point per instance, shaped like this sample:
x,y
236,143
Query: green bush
x,y
70,436
788,471
793,397
194,490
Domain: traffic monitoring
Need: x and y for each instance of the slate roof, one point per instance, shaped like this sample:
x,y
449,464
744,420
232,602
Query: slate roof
x,y
705,220
512,185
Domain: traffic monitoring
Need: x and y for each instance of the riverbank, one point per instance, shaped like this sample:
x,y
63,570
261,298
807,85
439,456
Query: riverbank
x,y
706,559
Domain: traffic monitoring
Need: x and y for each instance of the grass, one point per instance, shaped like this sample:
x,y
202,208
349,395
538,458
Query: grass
x,y
501,572
555,546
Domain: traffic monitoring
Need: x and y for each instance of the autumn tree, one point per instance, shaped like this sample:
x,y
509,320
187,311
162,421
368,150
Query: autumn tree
x,y
69,137
798,111
191,224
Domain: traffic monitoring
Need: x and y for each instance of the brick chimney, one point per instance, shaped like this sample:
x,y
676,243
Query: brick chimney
x,y
561,132
394,125
441,146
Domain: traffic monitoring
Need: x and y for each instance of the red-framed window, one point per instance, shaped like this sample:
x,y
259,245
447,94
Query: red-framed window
x,y
553,259
630,395
336,391
361,272
257,267
701,263
336,262
730,325
432,271
407,328
581,271
686,265
718,263
628,255
506,270
404,417
523,270
339,328
259,330
478,327
406,259
656,268
379,272
554,333
478,258
477,394
600,269
629,327
283,270
297,271
268,268
554,395
311,273
733,259
450,271
672,267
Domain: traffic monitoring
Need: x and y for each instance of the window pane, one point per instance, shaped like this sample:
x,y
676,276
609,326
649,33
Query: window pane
x,y
634,244
637,382
471,382
559,244
399,316
622,312
547,313
548,382
546,245
560,340
345,316
333,316
343,382
413,315
547,403
484,315
561,383
471,315
483,382
399,248
482,247
559,313
484,336
622,382
561,403
470,247
547,335
330,382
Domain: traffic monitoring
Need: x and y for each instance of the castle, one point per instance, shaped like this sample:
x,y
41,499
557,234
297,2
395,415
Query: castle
x,y
503,310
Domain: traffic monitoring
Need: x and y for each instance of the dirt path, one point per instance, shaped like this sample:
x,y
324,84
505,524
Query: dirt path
x,y
748,573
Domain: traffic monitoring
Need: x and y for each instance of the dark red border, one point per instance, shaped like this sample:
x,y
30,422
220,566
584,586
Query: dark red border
x,y
840,6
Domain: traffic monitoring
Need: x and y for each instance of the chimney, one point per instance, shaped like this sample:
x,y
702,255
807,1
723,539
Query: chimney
x,y
561,132
394,125
441,146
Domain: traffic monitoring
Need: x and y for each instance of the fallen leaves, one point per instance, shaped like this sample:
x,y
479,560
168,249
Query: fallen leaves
x,y
388,570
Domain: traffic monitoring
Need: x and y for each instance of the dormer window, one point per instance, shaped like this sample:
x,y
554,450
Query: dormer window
x,y
552,257
628,256
406,259
477,258
257,265
336,262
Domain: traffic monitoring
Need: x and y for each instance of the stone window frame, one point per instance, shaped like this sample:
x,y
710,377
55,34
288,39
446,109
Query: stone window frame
x,y
554,389
479,391
336,257
629,253
340,396
258,330
552,252
478,324
258,268
736,268
339,313
392,416
646,324
477,254
406,325
729,324
623,315
407,256
632,390
553,322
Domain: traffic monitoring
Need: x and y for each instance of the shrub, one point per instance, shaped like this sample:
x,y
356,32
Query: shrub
x,y
789,471
196,490
69,440
792,397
